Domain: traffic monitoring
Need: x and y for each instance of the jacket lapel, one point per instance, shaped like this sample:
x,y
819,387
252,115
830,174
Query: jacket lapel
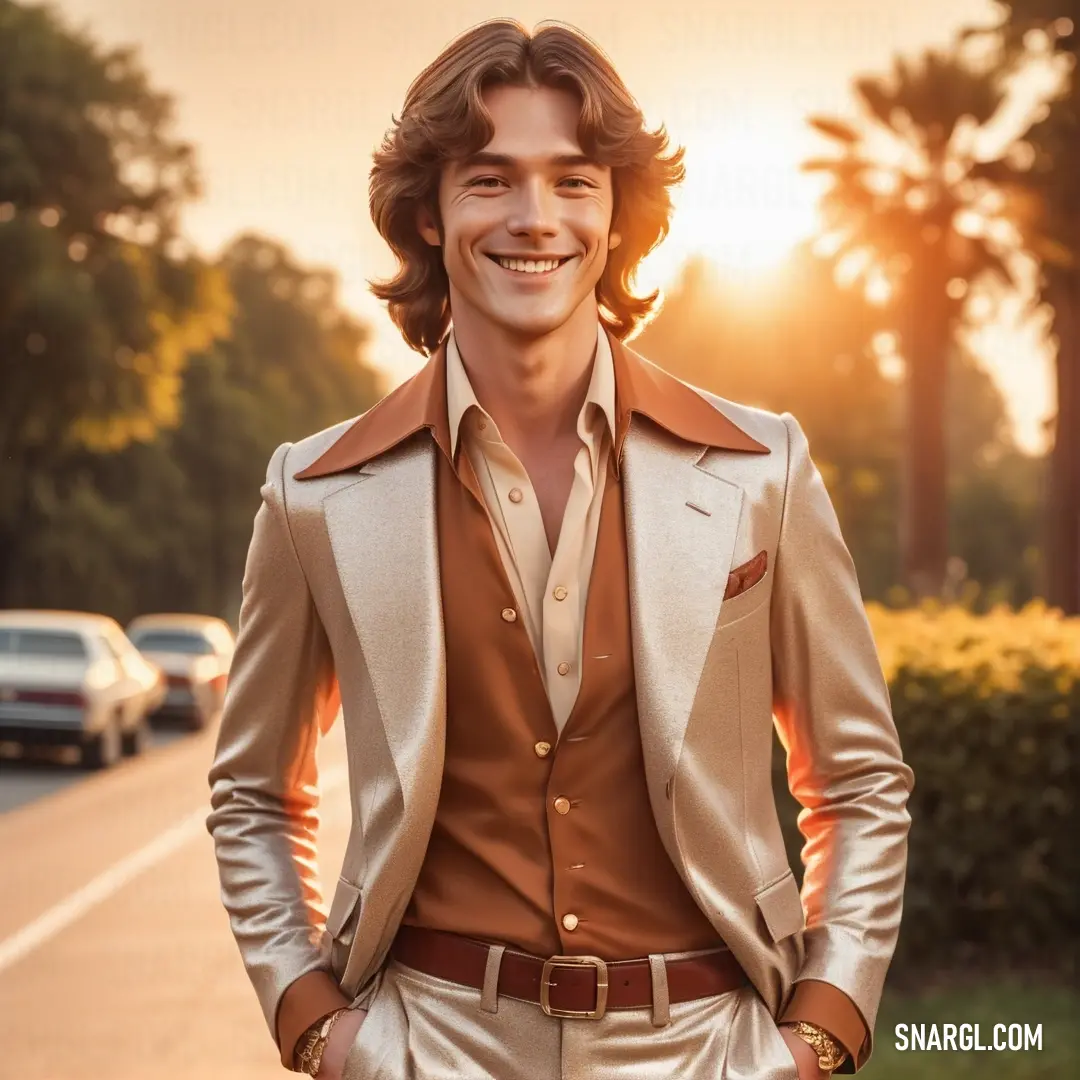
x,y
383,535
681,525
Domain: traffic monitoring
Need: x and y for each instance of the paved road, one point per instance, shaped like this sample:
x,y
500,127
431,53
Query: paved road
x,y
116,961
28,775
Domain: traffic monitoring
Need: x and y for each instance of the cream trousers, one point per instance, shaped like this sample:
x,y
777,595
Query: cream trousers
x,y
420,1027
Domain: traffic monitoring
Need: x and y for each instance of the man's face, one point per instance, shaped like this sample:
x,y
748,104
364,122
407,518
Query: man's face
x,y
526,221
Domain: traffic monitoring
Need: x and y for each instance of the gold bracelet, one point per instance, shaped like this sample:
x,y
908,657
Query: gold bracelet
x,y
831,1055
310,1054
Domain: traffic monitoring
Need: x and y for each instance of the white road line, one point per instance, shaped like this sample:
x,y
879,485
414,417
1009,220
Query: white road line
x,y
111,881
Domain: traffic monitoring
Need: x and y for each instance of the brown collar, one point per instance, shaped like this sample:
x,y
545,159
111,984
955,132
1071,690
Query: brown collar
x,y
640,387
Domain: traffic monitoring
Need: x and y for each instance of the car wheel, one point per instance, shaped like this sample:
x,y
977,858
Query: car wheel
x,y
105,749
136,740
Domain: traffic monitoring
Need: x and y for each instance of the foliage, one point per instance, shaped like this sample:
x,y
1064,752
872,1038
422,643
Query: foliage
x,y
1036,184
988,711
165,524
144,386
898,186
901,215
100,302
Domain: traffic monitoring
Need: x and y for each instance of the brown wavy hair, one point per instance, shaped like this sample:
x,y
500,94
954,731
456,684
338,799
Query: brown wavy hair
x,y
444,119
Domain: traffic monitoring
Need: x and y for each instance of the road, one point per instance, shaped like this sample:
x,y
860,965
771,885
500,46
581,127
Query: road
x,y
116,960
30,775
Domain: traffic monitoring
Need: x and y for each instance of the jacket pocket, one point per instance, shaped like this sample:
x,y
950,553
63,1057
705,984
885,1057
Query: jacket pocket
x,y
341,925
781,907
340,922
745,603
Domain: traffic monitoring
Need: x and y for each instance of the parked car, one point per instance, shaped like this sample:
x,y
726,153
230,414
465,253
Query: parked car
x,y
73,678
195,652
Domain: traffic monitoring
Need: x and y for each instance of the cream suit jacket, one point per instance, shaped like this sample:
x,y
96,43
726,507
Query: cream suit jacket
x,y
341,607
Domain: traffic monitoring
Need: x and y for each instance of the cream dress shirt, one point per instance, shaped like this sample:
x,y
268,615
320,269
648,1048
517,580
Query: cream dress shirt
x,y
550,589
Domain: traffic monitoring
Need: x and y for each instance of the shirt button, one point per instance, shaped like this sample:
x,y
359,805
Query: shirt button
x,y
562,805
570,922
560,592
563,668
509,614
515,495
542,749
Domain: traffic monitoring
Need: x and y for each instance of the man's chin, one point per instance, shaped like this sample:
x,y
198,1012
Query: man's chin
x,y
530,324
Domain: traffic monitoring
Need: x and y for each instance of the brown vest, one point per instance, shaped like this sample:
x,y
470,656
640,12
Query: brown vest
x,y
503,863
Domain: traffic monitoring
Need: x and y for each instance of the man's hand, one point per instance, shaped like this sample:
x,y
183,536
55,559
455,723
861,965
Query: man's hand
x,y
804,1054
342,1036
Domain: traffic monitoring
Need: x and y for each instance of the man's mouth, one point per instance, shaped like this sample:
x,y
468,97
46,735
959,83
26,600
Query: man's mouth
x,y
530,266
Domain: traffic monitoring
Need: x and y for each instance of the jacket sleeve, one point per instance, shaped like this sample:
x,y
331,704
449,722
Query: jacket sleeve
x,y
832,710
264,784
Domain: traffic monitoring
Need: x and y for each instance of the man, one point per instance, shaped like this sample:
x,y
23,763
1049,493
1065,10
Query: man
x,y
559,597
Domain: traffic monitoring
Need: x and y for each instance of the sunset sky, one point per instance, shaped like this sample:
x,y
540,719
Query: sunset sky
x,y
285,100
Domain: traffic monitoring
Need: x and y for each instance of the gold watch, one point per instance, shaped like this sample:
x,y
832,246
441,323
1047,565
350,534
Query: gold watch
x,y
309,1050
831,1055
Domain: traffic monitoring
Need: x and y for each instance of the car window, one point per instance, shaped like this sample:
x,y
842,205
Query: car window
x,y
174,641
43,643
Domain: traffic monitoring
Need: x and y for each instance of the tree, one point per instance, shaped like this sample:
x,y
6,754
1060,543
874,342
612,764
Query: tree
x,y
100,302
294,364
165,524
897,216
1042,199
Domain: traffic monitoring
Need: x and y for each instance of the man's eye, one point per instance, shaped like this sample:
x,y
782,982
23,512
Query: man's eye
x,y
578,182
484,181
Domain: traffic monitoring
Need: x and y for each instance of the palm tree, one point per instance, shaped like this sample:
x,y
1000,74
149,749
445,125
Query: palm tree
x,y
899,217
1042,199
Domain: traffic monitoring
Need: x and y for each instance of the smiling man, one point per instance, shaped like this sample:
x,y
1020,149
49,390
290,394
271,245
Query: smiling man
x,y
561,599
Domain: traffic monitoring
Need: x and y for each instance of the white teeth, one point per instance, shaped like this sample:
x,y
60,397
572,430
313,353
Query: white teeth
x,y
529,266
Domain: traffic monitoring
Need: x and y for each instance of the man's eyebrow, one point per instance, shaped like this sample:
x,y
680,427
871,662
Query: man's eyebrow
x,y
486,157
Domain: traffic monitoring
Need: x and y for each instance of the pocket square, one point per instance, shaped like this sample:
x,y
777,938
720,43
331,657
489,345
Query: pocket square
x,y
743,577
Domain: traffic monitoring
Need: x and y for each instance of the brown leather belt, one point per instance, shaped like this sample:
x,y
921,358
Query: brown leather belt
x,y
577,986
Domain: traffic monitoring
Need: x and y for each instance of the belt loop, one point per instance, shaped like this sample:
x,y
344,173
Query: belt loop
x,y
661,1002
489,996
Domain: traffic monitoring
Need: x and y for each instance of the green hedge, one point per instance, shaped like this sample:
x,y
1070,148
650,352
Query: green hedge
x,y
988,711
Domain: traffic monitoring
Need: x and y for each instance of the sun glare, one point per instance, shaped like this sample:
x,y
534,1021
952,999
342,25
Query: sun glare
x,y
744,204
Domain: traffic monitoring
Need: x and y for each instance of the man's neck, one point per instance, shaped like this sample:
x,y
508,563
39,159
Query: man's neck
x,y
532,388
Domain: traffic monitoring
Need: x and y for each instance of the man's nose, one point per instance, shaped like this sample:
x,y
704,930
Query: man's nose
x,y
534,211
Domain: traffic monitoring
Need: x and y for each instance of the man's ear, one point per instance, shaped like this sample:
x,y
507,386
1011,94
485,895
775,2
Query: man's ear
x,y
614,240
425,224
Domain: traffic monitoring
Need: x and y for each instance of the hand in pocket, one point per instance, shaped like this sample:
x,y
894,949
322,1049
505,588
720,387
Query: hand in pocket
x,y
342,1037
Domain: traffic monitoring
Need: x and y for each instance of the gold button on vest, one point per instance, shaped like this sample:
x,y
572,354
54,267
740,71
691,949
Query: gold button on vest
x,y
542,749
562,805
509,614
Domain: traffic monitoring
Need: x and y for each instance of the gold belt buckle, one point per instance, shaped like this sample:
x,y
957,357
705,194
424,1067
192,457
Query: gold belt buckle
x,y
575,961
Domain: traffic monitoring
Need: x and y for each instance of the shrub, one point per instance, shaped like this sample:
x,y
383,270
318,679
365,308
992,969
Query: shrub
x,y
988,709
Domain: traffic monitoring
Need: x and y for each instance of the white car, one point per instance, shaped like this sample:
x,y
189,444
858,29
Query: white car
x,y
73,678
195,652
